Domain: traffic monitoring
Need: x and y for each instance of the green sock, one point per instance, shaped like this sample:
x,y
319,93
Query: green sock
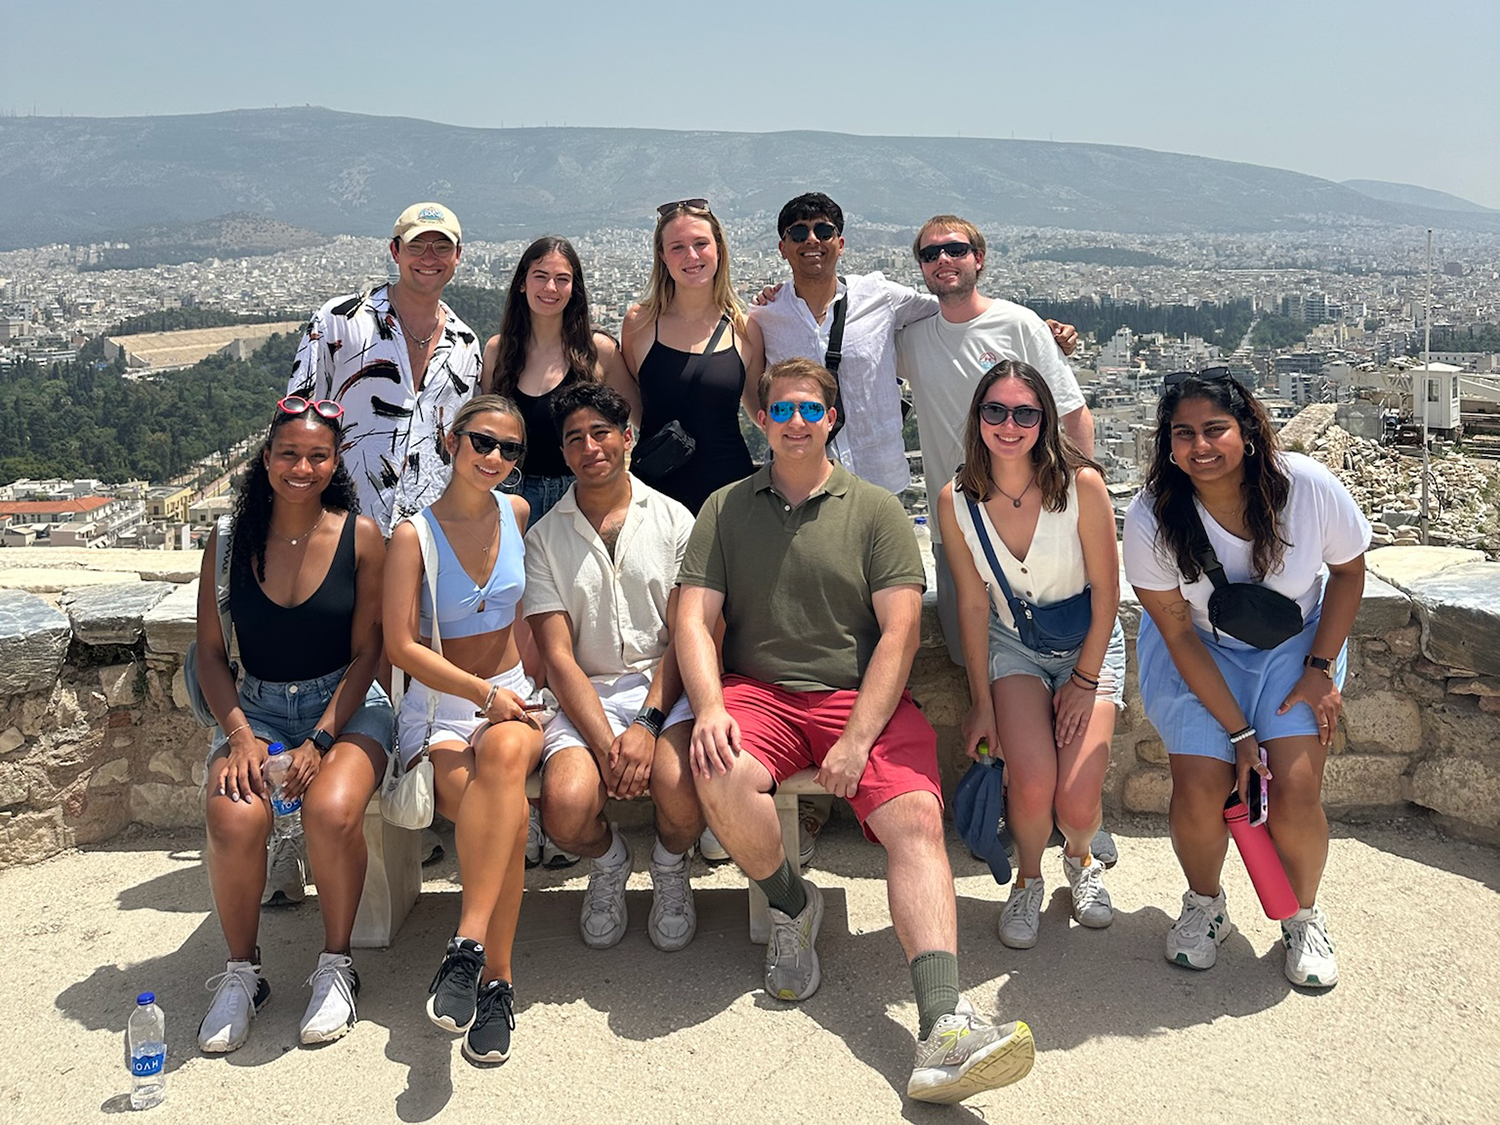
x,y
934,978
784,890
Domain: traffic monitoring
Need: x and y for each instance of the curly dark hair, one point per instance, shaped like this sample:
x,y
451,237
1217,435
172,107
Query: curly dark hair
x,y
252,508
1054,455
1264,489
579,349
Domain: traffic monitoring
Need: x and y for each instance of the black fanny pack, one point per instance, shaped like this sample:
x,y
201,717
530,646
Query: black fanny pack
x,y
1052,630
670,448
1247,611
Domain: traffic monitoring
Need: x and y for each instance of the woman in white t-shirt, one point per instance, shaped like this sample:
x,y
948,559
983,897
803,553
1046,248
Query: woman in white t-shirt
x,y
1283,521
1040,506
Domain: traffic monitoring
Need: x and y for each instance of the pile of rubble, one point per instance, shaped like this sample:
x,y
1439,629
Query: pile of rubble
x,y
1387,485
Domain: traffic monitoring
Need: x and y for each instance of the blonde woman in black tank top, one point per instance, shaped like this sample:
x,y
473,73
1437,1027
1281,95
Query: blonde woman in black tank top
x,y
305,573
689,292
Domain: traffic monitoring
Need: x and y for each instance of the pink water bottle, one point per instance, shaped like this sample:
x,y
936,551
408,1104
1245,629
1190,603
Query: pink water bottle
x,y
1261,861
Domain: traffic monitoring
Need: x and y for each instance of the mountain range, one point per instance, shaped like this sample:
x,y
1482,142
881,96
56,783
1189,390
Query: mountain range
x,y
82,180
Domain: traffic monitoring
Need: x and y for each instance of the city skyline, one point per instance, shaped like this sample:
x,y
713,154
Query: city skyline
x,y
1337,90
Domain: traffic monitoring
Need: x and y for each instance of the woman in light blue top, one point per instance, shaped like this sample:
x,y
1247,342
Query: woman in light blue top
x,y
478,737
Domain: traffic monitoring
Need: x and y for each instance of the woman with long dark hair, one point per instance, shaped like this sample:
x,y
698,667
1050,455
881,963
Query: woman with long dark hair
x,y
670,375
1228,711
304,583
546,342
1027,500
467,706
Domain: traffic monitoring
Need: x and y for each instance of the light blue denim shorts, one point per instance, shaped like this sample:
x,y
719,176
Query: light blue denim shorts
x,y
288,712
1009,657
1259,679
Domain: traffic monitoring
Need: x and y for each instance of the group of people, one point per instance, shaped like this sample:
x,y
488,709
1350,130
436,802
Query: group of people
x,y
560,509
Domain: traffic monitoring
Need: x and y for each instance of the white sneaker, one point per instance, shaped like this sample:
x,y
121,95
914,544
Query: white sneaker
x,y
1200,929
534,838
1091,903
602,921
673,920
554,857
239,992
1309,949
286,872
330,1013
710,849
963,1055
812,815
1021,917
792,970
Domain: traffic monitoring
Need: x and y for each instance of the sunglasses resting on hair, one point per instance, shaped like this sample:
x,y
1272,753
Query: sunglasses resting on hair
x,y
682,205
811,410
322,407
1207,375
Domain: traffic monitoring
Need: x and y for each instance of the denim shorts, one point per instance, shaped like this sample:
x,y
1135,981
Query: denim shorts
x,y
288,712
1009,657
1259,679
539,492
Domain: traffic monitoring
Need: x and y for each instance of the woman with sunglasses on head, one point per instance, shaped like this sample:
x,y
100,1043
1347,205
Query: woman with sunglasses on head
x,y
672,374
467,707
304,600
1026,500
546,343
1230,712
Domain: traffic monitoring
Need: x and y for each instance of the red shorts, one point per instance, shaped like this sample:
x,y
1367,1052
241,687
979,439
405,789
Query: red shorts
x,y
788,731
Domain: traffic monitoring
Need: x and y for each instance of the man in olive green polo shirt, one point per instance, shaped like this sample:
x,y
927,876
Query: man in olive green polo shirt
x,y
819,581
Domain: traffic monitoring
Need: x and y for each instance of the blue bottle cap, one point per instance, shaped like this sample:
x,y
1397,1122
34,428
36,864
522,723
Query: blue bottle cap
x,y
146,998
275,748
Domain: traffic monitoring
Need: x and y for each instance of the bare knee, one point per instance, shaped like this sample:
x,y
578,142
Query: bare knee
x,y
571,805
237,825
504,752
332,812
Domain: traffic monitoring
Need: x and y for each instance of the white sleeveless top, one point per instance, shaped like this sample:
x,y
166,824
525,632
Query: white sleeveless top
x,y
1053,568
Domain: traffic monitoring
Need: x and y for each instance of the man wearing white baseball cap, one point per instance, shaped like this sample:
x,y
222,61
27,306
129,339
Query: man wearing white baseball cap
x,y
400,362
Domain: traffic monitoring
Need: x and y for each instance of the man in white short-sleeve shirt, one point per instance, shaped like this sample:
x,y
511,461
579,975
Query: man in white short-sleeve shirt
x,y
601,574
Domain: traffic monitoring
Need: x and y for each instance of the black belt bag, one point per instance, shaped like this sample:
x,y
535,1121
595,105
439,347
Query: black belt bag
x,y
1247,611
671,447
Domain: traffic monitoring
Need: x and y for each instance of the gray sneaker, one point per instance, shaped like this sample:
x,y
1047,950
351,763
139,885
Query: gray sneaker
x,y
963,1055
1091,902
673,919
1021,916
286,872
1104,849
602,921
791,961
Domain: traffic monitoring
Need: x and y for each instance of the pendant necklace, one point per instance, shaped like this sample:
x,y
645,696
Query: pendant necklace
x,y
1015,501
305,534
484,562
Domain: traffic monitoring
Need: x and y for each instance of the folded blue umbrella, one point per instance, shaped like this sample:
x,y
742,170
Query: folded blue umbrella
x,y
978,808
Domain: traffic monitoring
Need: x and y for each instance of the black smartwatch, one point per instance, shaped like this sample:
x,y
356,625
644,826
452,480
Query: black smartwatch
x,y
1319,663
652,718
322,740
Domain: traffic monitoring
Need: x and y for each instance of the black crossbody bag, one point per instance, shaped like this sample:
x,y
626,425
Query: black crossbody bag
x,y
667,450
1247,611
835,356
1052,630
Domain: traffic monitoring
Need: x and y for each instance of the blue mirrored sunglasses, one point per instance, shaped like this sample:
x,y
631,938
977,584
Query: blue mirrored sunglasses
x,y
811,410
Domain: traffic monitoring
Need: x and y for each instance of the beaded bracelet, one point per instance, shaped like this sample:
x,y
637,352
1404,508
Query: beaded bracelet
x,y
1091,681
1241,735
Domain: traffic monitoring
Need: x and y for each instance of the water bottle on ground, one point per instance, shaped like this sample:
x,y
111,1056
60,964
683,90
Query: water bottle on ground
x,y
1263,863
288,810
146,1035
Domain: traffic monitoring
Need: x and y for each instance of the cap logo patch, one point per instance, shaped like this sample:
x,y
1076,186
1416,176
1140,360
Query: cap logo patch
x,y
431,215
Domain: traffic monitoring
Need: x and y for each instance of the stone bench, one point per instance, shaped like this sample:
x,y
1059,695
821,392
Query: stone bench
x,y
393,875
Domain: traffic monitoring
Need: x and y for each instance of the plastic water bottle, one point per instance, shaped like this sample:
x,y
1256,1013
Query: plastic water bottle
x,y
1263,863
1002,829
288,810
146,1035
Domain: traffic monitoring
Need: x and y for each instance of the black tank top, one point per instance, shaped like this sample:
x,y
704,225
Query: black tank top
x,y
303,642
709,410
543,447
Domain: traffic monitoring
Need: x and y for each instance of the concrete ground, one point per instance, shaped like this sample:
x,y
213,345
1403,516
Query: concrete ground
x,y
1409,1035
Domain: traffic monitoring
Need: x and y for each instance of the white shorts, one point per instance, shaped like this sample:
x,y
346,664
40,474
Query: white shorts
x,y
622,699
454,719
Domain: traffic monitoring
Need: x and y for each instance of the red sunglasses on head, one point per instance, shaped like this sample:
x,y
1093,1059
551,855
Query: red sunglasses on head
x,y
322,407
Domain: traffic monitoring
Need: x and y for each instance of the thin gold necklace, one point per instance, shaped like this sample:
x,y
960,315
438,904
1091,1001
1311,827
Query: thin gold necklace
x,y
305,534
485,543
411,337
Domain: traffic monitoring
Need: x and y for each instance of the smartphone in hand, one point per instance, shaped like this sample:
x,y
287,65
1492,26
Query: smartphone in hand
x,y
1259,794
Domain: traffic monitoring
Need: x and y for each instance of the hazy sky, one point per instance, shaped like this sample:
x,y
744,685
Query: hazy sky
x,y
1370,90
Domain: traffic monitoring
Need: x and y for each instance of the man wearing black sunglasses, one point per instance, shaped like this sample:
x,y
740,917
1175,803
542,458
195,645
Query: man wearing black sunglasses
x,y
401,363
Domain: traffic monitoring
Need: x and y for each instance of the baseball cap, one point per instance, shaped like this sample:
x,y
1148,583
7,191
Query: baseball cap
x,y
421,217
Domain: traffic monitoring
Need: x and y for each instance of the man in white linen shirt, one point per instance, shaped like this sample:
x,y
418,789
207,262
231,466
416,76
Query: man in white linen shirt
x,y
601,574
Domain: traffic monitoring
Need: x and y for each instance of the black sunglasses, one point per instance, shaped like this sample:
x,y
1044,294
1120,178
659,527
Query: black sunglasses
x,y
798,232
995,413
930,254
484,445
1207,375
682,205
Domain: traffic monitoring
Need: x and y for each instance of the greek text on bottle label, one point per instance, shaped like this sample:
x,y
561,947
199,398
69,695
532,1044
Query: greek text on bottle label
x,y
143,1066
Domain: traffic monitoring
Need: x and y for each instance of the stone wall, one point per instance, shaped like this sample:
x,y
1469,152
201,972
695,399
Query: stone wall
x,y
95,734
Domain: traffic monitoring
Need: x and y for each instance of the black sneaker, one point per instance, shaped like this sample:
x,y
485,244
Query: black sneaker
x,y
450,1000
488,1040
